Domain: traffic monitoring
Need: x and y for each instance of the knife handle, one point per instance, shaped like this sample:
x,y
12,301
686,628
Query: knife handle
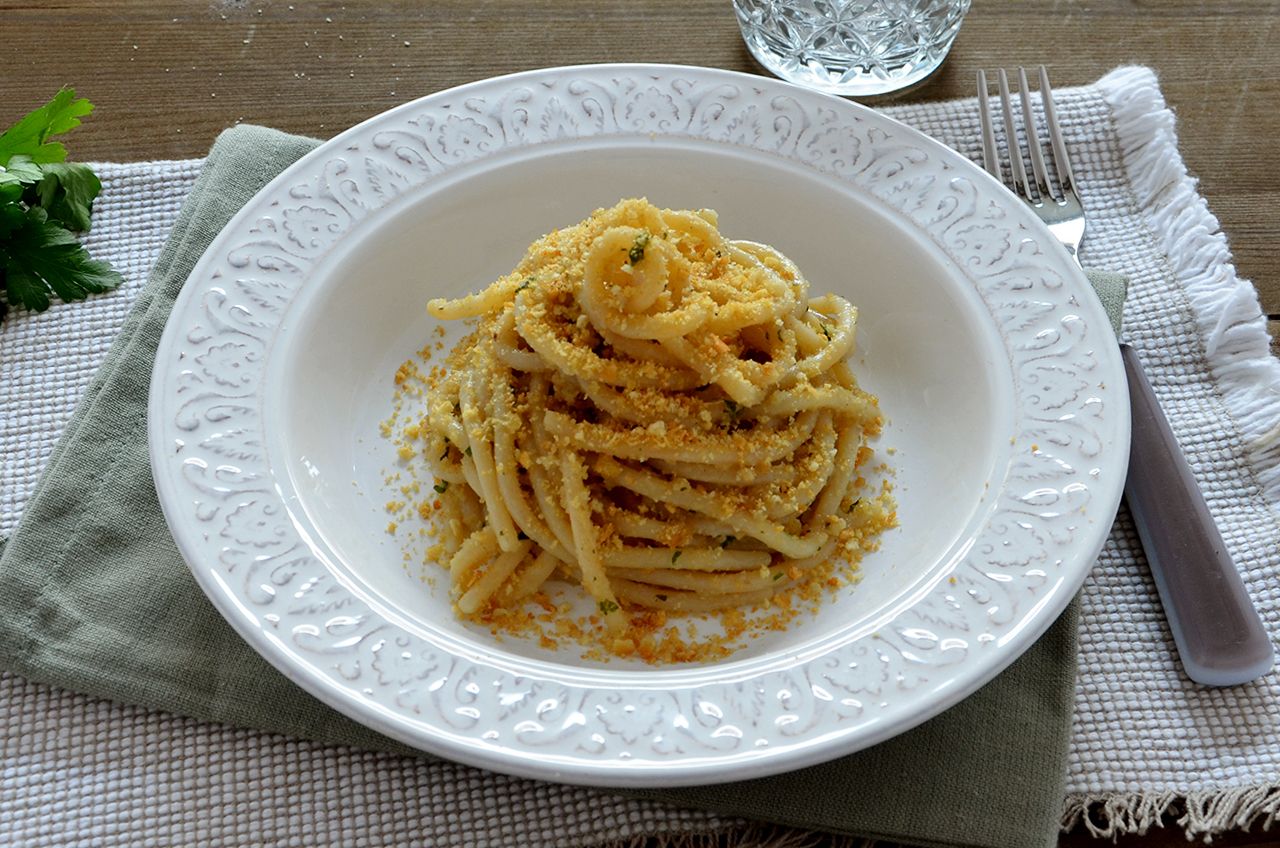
x,y
1219,635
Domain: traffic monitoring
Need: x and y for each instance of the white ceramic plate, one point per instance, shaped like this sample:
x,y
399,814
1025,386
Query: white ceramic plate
x,y
993,360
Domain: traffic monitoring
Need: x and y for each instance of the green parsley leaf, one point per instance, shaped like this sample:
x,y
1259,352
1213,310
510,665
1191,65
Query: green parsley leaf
x,y
67,192
607,607
777,576
12,216
675,556
442,486
29,136
39,257
20,171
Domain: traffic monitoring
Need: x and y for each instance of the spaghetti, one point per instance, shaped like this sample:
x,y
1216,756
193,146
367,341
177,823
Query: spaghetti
x,y
658,413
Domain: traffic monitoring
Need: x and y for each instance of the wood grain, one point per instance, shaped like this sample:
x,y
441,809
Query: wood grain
x,y
167,76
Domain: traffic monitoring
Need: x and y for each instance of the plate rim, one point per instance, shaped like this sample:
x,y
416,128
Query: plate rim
x,y
677,772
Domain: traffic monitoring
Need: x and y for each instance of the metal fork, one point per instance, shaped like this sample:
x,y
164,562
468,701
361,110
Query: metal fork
x,y
1060,209
1218,633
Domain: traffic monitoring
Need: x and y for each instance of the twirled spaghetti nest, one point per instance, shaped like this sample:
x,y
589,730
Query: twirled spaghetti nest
x,y
651,409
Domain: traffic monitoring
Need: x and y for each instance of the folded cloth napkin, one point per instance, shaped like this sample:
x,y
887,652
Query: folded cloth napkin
x,y
972,776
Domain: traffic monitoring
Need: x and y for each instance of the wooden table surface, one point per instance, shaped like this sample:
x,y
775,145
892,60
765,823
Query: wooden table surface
x,y
167,76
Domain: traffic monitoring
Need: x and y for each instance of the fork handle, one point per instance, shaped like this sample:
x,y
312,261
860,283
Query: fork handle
x,y
1219,635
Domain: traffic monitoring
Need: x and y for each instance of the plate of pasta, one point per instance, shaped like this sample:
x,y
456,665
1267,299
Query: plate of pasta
x,y
638,425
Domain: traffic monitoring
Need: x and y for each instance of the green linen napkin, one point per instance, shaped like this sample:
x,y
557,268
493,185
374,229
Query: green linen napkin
x,y
95,598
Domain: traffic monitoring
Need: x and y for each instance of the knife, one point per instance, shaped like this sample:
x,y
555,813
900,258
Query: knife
x,y
1219,635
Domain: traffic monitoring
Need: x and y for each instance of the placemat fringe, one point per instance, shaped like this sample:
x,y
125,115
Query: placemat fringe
x,y
1225,307
1201,815
750,835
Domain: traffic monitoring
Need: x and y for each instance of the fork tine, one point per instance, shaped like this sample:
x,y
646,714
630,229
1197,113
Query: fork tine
x,y
1061,162
990,156
1020,184
1033,136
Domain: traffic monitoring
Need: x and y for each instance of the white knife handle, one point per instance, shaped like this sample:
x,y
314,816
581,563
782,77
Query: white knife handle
x,y
1219,635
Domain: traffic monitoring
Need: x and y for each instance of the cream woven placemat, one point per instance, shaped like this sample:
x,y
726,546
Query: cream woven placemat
x,y
80,771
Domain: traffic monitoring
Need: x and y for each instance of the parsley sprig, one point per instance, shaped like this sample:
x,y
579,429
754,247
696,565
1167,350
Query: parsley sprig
x,y
44,200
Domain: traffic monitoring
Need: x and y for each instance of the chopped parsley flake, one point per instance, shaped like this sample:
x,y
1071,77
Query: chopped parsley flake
x,y
441,486
675,556
728,540
607,606
636,254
